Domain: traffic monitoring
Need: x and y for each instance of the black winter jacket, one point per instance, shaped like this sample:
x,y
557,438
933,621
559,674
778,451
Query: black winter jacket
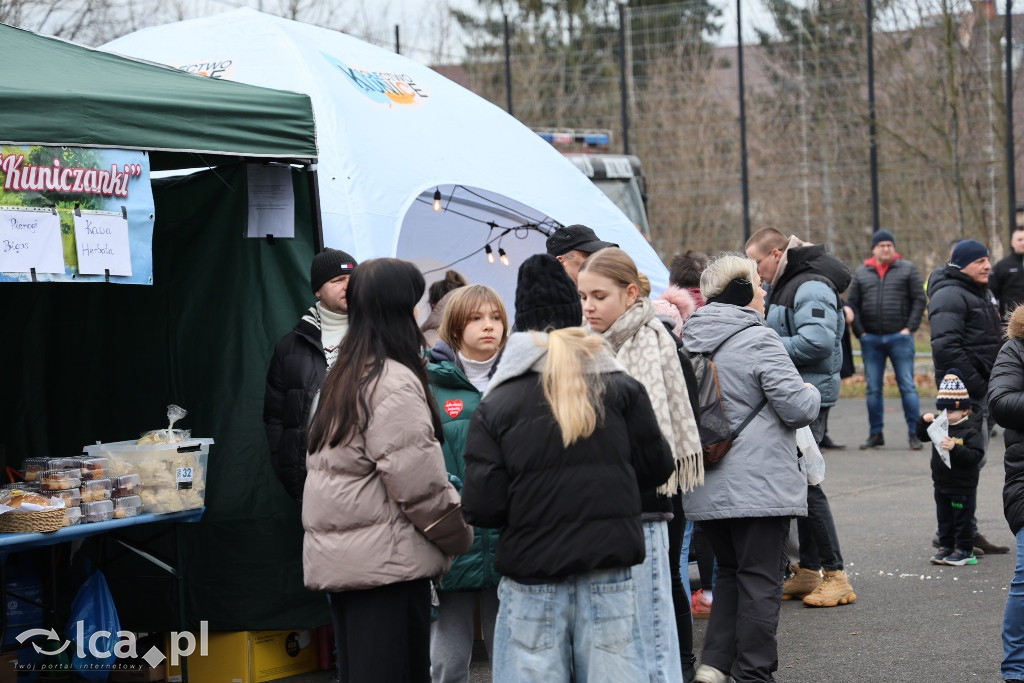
x,y
886,305
966,332
296,373
1007,283
565,510
1006,401
961,477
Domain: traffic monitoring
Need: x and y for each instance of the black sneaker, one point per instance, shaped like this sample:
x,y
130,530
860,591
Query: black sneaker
x,y
915,443
940,557
874,441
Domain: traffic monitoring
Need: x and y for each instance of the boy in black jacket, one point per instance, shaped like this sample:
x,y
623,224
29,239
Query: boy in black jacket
x,y
956,486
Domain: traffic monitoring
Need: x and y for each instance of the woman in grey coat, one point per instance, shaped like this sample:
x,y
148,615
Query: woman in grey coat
x,y
748,498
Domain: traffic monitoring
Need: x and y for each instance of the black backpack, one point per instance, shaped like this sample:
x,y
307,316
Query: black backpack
x,y
716,435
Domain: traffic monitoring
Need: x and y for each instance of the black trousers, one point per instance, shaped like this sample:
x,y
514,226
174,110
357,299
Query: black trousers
x,y
741,633
684,622
383,634
955,514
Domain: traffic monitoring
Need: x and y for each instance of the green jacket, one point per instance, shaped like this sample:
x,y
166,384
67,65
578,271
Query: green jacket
x,y
456,400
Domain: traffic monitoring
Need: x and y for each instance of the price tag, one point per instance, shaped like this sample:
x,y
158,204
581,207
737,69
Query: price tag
x,y
183,478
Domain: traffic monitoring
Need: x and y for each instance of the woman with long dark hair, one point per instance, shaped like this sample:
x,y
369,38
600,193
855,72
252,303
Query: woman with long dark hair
x,y
379,514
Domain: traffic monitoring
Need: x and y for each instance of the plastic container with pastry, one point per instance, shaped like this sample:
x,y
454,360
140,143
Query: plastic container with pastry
x,y
59,480
98,511
34,466
127,507
126,485
96,489
95,468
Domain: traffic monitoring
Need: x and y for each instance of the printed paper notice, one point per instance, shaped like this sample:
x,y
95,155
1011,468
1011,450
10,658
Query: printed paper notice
x,y
30,238
271,201
937,431
102,243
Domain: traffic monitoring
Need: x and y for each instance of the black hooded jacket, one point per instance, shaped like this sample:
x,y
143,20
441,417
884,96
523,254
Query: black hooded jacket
x,y
296,373
966,332
1006,401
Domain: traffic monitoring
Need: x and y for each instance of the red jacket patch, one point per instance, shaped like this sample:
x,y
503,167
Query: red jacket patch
x,y
453,408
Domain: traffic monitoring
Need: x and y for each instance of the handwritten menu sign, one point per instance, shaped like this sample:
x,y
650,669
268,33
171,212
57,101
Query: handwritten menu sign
x,y
30,238
102,243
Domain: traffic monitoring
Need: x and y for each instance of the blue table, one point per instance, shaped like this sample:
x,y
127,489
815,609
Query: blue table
x,y
12,543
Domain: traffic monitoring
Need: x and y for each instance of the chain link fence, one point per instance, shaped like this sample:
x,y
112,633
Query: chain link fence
x,y
940,117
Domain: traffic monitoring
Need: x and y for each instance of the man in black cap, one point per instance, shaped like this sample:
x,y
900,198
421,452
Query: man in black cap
x,y
301,361
572,245
887,298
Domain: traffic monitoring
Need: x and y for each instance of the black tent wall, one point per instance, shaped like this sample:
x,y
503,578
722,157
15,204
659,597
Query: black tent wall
x,y
92,362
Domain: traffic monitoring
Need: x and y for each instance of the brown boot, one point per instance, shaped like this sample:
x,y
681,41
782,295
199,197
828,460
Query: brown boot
x,y
803,582
835,589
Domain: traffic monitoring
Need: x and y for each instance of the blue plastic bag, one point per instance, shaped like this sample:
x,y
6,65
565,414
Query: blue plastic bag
x,y
94,608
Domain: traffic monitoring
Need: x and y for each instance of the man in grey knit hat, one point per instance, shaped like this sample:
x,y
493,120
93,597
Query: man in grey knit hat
x,y
301,361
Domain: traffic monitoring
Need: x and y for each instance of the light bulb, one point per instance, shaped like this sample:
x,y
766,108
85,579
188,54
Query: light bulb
x,y
503,256
489,252
437,200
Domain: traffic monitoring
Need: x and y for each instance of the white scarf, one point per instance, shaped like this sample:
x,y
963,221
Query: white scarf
x,y
333,327
647,350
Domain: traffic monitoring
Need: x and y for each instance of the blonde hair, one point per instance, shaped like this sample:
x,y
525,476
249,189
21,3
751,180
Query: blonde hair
x,y
645,284
616,265
723,269
463,303
576,397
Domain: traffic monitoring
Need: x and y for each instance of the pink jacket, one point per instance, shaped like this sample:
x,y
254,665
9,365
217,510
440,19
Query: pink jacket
x,y
367,502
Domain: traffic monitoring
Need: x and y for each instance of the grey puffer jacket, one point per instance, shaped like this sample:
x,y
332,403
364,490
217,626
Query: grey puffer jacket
x,y
761,475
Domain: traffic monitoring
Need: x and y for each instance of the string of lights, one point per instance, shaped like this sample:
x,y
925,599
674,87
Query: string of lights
x,y
520,231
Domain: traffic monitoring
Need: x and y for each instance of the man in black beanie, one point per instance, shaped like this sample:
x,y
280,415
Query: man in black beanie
x,y
887,298
301,360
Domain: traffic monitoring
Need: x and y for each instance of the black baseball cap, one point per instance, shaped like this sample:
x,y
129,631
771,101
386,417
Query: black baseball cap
x,y
575,237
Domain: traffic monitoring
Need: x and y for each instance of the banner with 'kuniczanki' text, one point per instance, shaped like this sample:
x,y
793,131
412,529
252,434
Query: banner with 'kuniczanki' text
x,y
75,214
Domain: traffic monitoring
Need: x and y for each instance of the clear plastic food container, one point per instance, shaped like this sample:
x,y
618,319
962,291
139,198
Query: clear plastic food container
x,y
95,468
59,480
127,507
72,516
173,474
72,497
34,466
126,485
31,486
95,489
98,511
70,464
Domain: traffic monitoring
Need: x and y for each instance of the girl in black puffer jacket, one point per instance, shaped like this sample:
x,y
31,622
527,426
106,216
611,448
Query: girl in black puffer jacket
x,y
1006,401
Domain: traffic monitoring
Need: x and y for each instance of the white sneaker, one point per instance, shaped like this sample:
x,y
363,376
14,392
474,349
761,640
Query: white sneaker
x,y
709,674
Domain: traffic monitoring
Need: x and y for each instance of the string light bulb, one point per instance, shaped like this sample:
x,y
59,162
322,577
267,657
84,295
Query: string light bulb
x,y
437,200
503,256
489,252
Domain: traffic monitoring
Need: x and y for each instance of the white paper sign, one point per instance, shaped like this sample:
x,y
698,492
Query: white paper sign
x,y
102,242
30,238
271,201
937,431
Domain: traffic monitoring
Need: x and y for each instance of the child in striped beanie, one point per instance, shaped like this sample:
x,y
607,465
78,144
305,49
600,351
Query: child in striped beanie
x,y
956,484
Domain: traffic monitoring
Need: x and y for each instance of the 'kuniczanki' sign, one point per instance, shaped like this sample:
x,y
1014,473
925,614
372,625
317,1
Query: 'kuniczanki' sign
x,y
75,213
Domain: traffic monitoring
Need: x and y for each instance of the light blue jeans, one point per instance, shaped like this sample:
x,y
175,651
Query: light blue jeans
x,y
656,609
874,348
1013,621
583,628
684,559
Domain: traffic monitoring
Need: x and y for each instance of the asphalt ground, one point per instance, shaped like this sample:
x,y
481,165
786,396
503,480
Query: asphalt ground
x,y
912,621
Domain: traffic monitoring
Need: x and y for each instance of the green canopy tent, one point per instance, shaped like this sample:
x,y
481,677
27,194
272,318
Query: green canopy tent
x,y
88,362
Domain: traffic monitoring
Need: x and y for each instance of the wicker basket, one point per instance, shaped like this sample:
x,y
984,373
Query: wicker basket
x,y
28,522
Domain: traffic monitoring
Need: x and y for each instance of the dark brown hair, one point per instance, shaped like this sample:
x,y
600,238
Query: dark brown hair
x,y
685,269
381,295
